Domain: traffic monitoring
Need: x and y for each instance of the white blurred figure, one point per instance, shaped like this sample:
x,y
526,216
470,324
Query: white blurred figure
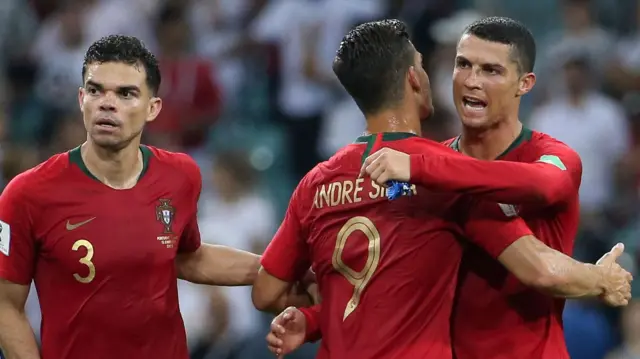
x,y
218,29
235,215
124,17
446,32
58,51
630,348
590,123
307,33
580,33
342,124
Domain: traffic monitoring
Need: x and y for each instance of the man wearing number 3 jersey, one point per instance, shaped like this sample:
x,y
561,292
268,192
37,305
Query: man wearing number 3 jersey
x,y
105,229
387,269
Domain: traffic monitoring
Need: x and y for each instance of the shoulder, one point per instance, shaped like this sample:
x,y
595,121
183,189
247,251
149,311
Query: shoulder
x,y
547,148
541,141
40,175
178,161
181,163
26,190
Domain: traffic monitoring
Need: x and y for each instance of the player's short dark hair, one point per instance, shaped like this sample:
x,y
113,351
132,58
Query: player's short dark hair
x,y
372,62
509,32
126,49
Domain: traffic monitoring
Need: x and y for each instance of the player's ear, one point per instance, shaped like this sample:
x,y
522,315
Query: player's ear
x,y
155,106
527,81
81,98
414,80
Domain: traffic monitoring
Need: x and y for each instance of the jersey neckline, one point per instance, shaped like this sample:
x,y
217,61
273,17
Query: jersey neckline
x,y
76,158
525,135
371,139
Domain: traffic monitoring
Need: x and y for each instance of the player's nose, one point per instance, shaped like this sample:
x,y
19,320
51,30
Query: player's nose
x,y
472,81
108,102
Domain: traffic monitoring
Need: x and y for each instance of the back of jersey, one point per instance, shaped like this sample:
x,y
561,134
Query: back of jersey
x,y
386,269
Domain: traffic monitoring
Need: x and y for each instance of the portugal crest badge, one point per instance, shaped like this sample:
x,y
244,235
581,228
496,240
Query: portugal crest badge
x,y
165,214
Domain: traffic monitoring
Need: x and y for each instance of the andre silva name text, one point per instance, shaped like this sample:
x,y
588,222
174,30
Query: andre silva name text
x,y
349,191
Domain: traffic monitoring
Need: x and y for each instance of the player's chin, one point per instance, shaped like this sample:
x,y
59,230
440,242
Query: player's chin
x,y
475,122
107,140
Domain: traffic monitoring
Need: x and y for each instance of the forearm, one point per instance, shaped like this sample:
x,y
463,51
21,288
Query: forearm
x,y
16,336
574,279
500,181
550,271
218,265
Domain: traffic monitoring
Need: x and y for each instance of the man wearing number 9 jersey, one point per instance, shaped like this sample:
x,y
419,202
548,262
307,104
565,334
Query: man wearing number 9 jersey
x,y
387,269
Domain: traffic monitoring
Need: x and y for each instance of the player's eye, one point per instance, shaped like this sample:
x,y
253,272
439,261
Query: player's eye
x,y
92,91
462,64
126,94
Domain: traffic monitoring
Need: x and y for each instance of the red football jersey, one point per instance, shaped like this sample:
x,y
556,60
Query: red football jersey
x,y
495,315
386,269
103,259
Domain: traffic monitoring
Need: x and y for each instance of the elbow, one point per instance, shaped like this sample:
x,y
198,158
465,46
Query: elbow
x,y
553,189
262,299
551,194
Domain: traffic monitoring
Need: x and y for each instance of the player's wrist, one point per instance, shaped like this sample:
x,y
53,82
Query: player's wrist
x,y
600,285
312,327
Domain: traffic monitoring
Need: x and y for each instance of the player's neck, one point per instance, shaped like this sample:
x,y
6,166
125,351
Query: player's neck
x,y
393,120
117,169
488,144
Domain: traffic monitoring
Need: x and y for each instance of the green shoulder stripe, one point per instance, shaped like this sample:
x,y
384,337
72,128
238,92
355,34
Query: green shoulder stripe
x,y
553,160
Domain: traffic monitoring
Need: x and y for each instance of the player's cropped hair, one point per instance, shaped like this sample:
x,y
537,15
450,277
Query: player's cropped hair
x,y
509,32
125,49
372,62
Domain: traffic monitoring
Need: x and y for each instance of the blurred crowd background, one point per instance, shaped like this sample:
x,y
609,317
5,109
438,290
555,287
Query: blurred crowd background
x,y
248,91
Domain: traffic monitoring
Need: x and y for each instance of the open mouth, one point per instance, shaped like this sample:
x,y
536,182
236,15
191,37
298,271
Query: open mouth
x,y
473,103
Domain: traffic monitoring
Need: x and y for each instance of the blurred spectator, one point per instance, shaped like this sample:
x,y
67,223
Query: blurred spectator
x,y
234,215
630,348
26,112
446,33
59,51
191,98
591,124
18,26
581,33
126,17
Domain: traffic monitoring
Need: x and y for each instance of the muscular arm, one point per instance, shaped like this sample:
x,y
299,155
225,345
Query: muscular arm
x,y
16,336
218,265
548,181
510,241
550,271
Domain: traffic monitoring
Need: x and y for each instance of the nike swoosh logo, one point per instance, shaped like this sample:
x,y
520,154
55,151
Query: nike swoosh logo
x,y
71,227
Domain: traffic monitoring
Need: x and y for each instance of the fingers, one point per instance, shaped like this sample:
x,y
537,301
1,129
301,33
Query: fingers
x,y
620,292
612,255
277,329
274,344
377,174
617,251
369,161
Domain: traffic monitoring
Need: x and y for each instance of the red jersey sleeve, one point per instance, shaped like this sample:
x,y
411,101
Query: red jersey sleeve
x,y
190,239
494,227
553,178
287,256
17,243
312,317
